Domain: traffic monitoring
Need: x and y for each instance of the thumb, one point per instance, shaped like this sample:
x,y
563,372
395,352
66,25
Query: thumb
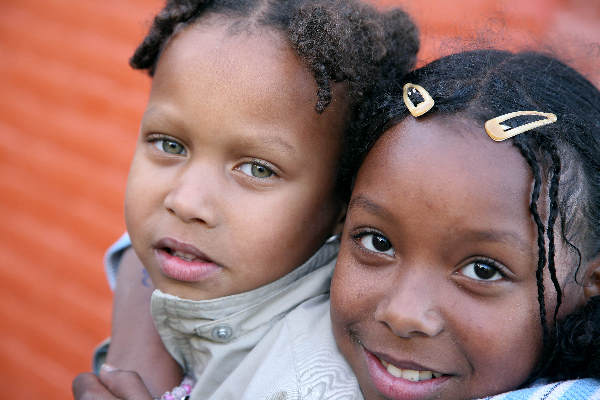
x,y
124,384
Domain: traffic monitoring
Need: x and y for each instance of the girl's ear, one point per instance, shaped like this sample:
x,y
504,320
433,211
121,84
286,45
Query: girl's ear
x,y
592,279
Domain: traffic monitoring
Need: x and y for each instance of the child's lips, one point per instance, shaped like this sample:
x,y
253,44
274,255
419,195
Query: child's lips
x,y
403,380
183,261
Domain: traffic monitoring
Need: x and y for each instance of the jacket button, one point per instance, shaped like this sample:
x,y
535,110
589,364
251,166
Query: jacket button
x,y
222,332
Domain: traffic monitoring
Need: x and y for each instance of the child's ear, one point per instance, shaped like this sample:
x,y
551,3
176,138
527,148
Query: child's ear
x,y
592,279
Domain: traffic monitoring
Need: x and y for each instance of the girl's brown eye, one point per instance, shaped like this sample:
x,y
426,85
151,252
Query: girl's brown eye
x,y
481,271
376,242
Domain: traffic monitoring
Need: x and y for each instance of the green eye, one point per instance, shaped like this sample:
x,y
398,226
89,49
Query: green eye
x,y
256,170
169,146
260,171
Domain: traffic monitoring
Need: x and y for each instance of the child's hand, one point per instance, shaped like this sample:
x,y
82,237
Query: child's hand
x,y
112,384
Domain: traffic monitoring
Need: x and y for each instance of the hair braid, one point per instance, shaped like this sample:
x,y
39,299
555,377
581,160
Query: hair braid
x,y
531,159
552,215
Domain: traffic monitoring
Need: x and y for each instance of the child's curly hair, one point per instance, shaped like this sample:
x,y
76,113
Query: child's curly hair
x,y
338,41
564,157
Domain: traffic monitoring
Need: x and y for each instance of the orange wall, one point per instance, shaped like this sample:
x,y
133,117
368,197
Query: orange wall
x,y
69,109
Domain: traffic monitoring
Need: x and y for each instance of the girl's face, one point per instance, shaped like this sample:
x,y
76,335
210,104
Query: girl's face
x,y
434,293
232,181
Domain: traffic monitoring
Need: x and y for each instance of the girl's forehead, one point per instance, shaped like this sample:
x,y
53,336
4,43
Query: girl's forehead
x,y
243,70
455,141
427,162
247,91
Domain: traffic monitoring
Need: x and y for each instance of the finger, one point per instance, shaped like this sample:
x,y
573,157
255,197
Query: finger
x,y
124,384
87,386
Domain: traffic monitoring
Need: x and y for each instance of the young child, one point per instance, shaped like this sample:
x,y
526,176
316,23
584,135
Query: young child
x,y
237,181
470,267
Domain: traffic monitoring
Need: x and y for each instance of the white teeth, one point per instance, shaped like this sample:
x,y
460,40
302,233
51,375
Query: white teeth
x,y
397,372
184,256
409,374
424,375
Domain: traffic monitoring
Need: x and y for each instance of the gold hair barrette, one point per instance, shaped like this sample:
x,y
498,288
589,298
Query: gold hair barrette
x,y
499,131
422,106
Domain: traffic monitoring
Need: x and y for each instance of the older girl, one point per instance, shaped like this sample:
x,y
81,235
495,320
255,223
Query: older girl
x,y
471,266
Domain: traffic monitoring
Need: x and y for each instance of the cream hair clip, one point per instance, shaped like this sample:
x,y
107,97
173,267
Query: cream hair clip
x,y
499,131
411,89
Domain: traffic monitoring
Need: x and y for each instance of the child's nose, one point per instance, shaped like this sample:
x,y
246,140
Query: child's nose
x,y
409,308
192,198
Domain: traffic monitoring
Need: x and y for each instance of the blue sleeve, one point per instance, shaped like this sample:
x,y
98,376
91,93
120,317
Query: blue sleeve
x,y
112,258
578,389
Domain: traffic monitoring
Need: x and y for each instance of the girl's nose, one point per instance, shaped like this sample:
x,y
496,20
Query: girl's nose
x,y
192,199
409,309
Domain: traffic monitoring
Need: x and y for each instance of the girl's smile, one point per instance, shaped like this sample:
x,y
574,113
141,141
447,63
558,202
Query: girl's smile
x,y
232,182
434,294
402,379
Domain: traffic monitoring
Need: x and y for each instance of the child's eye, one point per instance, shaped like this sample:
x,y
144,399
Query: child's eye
x,y
375,242
256,170
482,270
169,146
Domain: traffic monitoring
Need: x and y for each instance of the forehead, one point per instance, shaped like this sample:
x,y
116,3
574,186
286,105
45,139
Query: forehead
x,y
448,148
448,165
254,70
244,82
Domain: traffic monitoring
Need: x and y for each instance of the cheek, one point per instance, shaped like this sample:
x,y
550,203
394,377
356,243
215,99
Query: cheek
x,y
352,297
281,230
143,196
502,347
134,202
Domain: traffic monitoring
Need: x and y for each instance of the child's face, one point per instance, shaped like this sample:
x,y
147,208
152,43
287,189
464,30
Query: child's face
x,y
232,181
436,273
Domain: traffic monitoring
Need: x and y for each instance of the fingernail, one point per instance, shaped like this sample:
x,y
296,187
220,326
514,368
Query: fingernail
x,y
107,368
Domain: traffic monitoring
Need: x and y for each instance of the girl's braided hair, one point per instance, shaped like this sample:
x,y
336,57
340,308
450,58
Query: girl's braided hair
x,y
564,157
337,40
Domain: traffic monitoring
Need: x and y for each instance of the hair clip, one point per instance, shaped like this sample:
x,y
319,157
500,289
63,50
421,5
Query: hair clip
x,y
422,106
498,131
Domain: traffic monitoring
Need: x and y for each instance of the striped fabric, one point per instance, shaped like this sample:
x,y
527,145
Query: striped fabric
x,y
580,389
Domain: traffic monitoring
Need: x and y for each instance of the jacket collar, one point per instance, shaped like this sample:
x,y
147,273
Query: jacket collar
x,y
227,318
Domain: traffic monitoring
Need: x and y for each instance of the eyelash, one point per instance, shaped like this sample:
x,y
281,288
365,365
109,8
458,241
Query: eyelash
x,y
498,268
358,238
155,139
260,163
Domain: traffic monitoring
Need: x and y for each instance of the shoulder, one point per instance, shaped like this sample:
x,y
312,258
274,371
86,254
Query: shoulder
x,y
321,371
298,359
577,389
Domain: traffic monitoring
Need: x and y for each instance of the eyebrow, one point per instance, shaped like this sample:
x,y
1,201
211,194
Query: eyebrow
x,y
270,141
364,202
276,142
160,115
493,235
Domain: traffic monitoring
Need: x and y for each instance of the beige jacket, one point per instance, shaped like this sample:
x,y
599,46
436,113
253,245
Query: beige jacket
x,y
272,343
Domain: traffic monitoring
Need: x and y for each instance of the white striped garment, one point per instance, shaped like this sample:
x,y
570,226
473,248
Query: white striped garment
x,y
579,389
